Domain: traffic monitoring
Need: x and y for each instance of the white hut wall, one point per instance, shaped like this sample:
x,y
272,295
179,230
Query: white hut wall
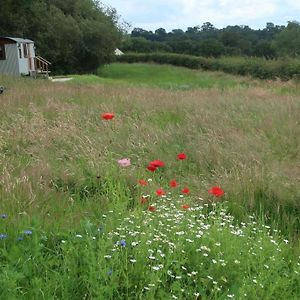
x,y
23,59
10,65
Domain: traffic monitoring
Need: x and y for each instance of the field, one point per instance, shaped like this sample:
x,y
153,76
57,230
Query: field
x,y
78,223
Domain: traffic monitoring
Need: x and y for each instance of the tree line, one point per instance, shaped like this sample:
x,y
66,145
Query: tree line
x,y
75,35
78,36
208,41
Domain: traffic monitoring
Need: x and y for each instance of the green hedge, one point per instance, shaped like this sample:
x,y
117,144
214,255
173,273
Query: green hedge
x,y
284,69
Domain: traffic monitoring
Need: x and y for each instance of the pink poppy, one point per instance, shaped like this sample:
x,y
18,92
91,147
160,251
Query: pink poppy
x,y
124,162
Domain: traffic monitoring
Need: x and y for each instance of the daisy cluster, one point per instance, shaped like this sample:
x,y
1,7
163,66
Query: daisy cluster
x,y
192,252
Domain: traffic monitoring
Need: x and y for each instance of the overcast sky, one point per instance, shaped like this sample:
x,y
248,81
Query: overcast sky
x,y
172,14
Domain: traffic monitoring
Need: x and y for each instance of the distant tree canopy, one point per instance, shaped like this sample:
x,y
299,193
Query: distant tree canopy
x,y
75,35
208,41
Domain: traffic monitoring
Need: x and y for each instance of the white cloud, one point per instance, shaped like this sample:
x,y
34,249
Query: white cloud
x,y
171,14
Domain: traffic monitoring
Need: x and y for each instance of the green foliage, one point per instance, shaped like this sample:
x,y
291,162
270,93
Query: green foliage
x,y
75,36
287,42
208,41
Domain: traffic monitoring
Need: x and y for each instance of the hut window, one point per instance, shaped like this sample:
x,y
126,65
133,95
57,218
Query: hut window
x,y
2,52
20,50
25,50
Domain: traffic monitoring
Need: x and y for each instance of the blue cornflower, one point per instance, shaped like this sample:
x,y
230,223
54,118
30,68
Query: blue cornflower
x,y
109,272
101,228
20,238
28,232
123,243
3,216
3,236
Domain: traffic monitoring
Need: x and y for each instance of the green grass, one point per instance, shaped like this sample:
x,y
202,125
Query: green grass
x,y
59,178
168,77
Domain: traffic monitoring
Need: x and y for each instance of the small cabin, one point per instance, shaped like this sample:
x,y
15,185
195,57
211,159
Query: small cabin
x,y
17,57
118,52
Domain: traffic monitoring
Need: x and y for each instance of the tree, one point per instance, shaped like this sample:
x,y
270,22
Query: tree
x,y
75,35
287,42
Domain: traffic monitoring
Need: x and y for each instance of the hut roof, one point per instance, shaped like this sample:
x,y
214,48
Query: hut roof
x,y
17,40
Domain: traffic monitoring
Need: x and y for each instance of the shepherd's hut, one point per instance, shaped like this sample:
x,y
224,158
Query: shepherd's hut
x,y
17,57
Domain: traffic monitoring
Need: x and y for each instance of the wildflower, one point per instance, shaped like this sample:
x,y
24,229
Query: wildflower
x,y
3,216
27,232
77,235
185,206
124,162
181,156
109,272
216,191
143,200
133,260
185,191
143,182
3,236
101,228
152,208
173,183
157,163
151,168
20,238
160,192
123,243
108,116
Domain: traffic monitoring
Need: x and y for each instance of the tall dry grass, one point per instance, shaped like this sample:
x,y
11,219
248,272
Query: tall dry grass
x,y
58,158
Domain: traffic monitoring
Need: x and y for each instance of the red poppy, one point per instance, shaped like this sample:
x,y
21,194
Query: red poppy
x,y
173,183
143,182
181,156
108,116
151,168
143,200
152,208
157,163
185,206
160,192
186,190
216,191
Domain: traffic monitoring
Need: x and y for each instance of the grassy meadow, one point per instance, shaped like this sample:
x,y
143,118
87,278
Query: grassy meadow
x,y
75,224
